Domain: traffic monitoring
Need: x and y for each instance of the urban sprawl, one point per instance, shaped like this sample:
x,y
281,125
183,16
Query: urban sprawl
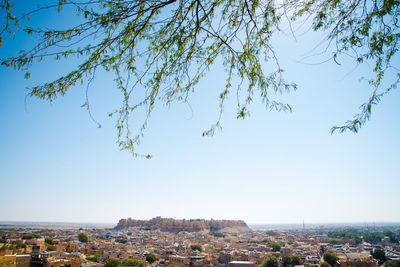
x,y
196,243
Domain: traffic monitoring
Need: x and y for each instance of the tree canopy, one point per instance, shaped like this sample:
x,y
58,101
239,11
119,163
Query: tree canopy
x,y
392,264
330,258
275,246
373,237
325,264
289,261
295,260
121,240
197,247
379,255
271,262
49,241
83,237
151,258
93,258
112,263
133,262
159,50
30,236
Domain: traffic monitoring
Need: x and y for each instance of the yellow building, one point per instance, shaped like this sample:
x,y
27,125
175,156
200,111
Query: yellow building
x,y
358,260
75,262
8,260
181,261
15,260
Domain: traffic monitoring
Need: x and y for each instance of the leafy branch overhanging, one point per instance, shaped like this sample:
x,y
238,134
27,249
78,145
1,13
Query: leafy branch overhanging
x,y
160,49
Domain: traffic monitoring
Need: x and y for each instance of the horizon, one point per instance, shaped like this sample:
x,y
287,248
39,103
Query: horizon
x,y
248,223
57,165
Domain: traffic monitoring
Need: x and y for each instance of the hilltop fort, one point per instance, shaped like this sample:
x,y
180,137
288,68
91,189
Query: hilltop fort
x,y
192,225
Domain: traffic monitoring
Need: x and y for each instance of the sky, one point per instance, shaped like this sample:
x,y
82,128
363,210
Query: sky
x,y
273,167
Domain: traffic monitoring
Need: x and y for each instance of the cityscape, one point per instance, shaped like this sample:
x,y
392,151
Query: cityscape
x,y
197,243
199,133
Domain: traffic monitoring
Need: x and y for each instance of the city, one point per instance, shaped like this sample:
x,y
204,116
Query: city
x,y
168,242
199,133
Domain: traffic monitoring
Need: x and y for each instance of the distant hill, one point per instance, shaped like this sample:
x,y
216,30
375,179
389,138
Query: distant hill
x,y
192,225
21,225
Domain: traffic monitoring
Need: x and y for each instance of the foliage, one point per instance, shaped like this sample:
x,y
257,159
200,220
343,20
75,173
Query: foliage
x,y
13,246
271,262
337,234
134,262
93,258
322,249
49,241
19,244
112,263
218,234
330,258
286,261
379,255
83,237
150,258
392,236
358,240
30,236
121,240
6,263
392,264
275,246
163,48
289,261
373,237
368,31
324,264
160,50
296,260
196,247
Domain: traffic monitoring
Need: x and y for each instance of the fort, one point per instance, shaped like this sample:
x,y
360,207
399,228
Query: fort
x,y
192,225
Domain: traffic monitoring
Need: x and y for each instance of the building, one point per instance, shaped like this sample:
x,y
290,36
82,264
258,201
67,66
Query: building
x,y
242,264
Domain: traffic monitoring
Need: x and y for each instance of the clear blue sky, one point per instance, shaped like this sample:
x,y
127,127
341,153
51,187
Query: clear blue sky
x,y
56,165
